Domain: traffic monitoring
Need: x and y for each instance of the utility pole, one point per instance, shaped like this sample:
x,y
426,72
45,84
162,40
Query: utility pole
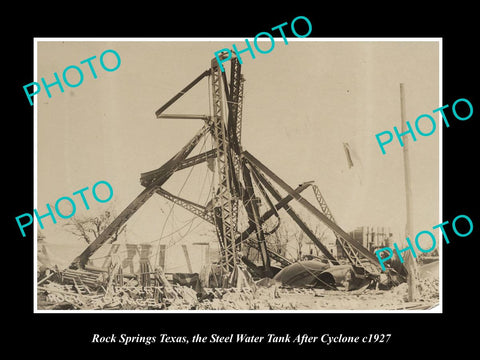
x,y
410,261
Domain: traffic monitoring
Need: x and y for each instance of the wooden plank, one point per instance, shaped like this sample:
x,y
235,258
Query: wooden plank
x,y
45,278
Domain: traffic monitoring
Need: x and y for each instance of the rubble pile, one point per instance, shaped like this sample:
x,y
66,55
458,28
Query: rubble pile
x,y
68,294
258,298
131,296
428,288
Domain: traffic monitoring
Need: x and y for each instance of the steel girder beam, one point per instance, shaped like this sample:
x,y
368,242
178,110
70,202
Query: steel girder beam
x,y
297,219
227,209
234,122
352,254
196,209
197,159
164,172
154,183
183,91
235,101
183,116
206,215
251,206
312,209
282,203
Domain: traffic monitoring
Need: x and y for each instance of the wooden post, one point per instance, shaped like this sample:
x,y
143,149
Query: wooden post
x,y
410,261
131,252
145,264
161,256
187,258
205,253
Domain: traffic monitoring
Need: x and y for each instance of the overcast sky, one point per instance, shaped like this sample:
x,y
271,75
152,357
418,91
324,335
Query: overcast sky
x,y
302,102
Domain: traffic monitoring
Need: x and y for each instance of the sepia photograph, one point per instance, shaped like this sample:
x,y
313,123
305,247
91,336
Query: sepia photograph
x,y
237,175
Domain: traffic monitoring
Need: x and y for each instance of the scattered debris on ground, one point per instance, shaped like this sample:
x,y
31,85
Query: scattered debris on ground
x,y
98,292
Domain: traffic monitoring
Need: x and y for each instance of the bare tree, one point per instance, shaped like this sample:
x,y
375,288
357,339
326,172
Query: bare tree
x,y
321,234
299,237
279,240
88,228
